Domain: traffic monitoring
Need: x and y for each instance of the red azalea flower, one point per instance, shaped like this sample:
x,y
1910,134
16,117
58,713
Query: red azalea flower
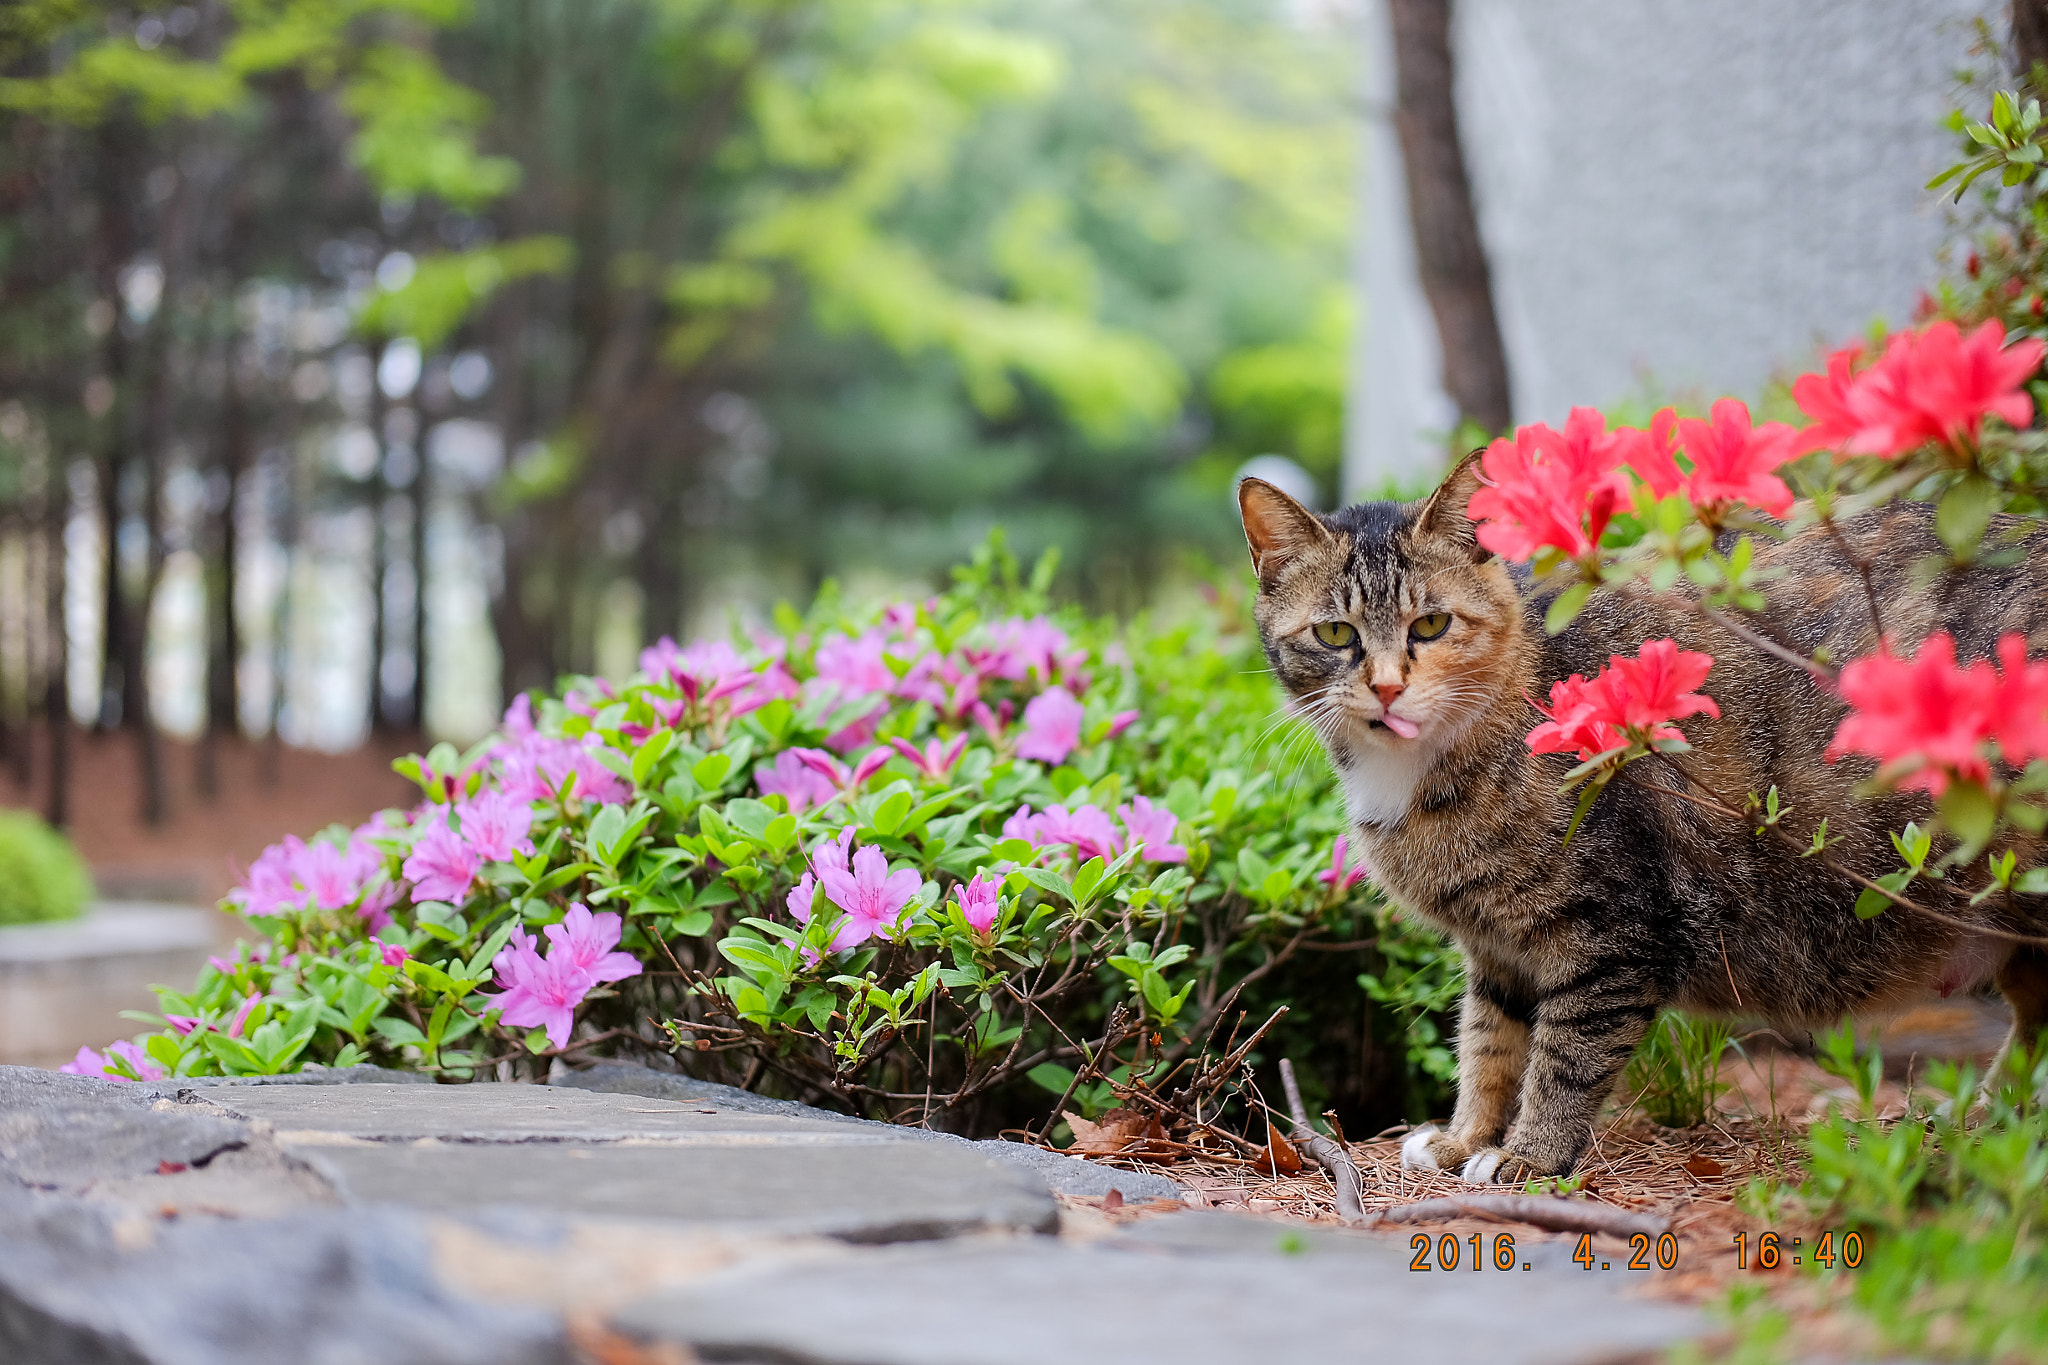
x,y
1653,454
1733,463
1925,715
1937,384
1628,700
1550,488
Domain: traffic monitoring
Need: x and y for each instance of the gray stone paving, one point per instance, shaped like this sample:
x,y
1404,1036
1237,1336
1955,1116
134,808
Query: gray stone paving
x,y
352,1217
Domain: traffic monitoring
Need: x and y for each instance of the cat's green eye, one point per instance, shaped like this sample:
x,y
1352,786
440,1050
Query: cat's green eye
x,y
1430,626
1336,634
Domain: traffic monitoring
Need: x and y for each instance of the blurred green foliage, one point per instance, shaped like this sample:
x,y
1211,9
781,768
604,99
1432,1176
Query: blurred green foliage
x,y
46,879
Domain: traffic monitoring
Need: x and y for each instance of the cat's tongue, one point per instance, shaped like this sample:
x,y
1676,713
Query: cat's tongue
x,y
1400,725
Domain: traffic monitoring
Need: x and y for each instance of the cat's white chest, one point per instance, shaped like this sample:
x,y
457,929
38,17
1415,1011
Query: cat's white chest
x,y
1380,780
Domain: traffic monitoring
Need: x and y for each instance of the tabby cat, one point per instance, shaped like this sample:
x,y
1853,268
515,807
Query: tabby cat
x,y
1414,653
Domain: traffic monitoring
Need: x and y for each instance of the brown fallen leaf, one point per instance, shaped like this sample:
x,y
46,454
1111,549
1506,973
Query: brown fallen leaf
x,y
1122,1132
1279,1158
1704,1167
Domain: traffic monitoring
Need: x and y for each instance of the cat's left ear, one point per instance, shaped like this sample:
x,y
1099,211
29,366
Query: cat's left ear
x,y
1443,515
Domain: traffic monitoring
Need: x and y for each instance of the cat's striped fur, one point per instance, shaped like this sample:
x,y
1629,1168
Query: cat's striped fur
x,y
1570,952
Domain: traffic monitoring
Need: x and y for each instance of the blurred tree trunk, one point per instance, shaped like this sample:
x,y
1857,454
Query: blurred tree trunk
x,y
224,637
380,550
56,659
2029,36
1448,250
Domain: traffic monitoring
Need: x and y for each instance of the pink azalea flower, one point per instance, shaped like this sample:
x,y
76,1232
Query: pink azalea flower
x,y
495,825
1022,824
794,780
835,772
935,761
979,903
1152,828
376,904
249,1003
540,768
182,1023
442,866
1550,488
1052,726
585,942
872,897
1087,829
829,861
394,954
856,666
1341,875
995,723
1121,722
90,1063
1025,646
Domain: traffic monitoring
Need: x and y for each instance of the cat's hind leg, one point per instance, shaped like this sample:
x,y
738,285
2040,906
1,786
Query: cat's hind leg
x,y
2023,981
1493,1050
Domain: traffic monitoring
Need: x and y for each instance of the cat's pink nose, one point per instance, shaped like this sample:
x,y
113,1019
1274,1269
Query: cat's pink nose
x,y
1388,691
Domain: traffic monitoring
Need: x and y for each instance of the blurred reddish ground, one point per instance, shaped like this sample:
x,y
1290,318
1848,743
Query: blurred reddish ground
x,y
263,793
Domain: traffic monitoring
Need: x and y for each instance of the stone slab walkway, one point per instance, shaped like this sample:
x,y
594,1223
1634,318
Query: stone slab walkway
x,y
380,1219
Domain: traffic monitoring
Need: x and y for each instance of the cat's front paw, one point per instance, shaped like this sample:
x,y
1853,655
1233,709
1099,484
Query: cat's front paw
x,y
1493,1166
1429,1148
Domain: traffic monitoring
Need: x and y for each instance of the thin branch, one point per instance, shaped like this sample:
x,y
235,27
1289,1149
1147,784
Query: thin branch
x,y
1554,1213
1328,1154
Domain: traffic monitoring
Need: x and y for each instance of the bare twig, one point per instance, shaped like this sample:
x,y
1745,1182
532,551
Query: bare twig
x,y
1331,1157
1554,1213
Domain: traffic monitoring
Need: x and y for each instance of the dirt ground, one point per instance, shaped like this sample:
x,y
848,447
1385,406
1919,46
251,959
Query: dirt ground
x,y
1691,1177
263,792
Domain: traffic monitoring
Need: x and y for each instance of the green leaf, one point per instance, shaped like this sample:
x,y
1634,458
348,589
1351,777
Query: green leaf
x,y
1566,608
710,771
1051,1076
1870,904
692,924
2032,882
1087,877
1967,809
889,815
1045,879
1964,513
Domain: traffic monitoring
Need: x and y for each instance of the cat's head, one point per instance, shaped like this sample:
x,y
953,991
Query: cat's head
x,y
1390,626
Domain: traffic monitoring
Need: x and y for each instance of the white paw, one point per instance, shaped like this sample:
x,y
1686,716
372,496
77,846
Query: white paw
x,y
1415,1149
1479,1170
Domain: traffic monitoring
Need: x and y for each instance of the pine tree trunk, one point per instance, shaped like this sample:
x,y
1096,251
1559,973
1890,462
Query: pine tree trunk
x,y
2029,36
1448,250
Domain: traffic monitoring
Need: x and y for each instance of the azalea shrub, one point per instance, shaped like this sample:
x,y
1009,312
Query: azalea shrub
x,y
960,860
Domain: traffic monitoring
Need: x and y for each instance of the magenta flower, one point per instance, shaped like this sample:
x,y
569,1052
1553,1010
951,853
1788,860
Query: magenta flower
x,y
1088,829
293,873
1024,647
1022,824
979,903
995,722
90,1063
540,768
795,780
1121,722
376,906
856,666
442,866
935,761
182,1023
495,825
872,896
584,942
543,992
394,954
835,772
1052,726
1340,875
242,1015
828,859
1152,829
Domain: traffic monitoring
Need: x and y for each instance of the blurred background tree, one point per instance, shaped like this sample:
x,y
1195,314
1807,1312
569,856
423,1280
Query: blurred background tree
x,y
364,361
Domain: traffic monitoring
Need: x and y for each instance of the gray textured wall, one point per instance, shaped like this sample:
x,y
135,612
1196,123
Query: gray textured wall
x,y
1696,192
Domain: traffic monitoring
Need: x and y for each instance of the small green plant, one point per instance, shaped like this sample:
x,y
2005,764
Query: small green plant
x,y
1947,1206
1676,1072
46,879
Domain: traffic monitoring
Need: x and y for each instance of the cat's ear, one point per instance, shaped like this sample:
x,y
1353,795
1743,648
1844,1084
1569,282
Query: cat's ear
x,y
1443,515
1276,526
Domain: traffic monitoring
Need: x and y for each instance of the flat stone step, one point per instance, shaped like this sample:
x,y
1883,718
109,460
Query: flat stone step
x,y
566,1151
